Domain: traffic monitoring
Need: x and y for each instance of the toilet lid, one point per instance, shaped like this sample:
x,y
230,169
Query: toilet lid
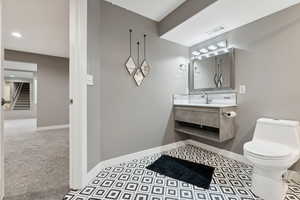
x,y
267,149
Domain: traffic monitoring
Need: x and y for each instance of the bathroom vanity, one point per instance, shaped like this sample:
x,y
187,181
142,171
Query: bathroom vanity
x,y
215,122
209,110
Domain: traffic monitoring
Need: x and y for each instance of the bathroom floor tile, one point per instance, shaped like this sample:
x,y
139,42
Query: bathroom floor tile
x,y
131,180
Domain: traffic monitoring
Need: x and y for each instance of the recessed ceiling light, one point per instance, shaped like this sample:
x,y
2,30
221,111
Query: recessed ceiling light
x,y
212,47
12,76
16,34
196,53
203,50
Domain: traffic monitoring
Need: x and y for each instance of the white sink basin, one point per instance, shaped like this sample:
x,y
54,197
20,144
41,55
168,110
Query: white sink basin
x,y
211,105
215,100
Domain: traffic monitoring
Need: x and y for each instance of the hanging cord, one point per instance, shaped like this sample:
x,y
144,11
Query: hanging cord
x,y
130,33
145,46
138,45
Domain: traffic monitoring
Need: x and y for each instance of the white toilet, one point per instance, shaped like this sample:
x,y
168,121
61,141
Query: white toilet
x,y
274,148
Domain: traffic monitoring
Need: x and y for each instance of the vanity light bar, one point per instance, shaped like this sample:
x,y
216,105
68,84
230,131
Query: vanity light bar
x,y
211,53
213,49
196,53
203,50
222,44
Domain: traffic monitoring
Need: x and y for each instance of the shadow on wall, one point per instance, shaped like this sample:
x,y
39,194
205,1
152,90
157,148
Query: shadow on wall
x,y
170,134
277,31
267,29
238,142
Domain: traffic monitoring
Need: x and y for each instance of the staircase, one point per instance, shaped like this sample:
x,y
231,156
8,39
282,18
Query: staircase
x,y
22,101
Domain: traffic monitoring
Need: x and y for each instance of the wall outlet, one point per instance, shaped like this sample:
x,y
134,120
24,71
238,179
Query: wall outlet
x,y
242,89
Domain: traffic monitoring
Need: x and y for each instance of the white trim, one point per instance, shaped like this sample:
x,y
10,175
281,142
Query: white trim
x,y
114,161
45,128
21,66
1,110
78,92
35,90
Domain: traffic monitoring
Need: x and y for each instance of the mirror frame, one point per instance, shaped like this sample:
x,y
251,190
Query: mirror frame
x,y
192,90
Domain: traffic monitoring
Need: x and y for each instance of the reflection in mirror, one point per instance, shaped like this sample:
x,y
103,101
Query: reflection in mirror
x,y
212,73
17,90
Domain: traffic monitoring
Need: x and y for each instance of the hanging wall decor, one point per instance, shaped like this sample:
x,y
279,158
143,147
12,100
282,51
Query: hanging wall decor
x,y
218,77
145,67
138,76
130,64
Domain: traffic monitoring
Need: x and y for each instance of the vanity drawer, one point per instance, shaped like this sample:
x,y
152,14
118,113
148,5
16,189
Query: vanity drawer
x,y
203,116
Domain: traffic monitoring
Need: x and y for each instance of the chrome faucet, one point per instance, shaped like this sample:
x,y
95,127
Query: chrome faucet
x,y
204,95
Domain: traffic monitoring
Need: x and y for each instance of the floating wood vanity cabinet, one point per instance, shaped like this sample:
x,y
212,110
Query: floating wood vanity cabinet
x,y
206,122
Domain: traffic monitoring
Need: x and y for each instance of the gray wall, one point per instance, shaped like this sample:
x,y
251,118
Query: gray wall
x,y
185,11
52,86
93,92
267,62
132,118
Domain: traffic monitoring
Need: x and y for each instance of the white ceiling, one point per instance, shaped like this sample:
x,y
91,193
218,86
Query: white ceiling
x,y
229,14
153,9
44,25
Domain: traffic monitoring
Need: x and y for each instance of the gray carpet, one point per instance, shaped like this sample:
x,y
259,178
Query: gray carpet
x,y
36,164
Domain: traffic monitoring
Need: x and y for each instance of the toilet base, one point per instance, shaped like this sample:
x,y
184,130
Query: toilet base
x,y
268,184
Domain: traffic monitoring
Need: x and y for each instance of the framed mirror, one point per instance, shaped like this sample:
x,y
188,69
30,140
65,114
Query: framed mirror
x,y
212,73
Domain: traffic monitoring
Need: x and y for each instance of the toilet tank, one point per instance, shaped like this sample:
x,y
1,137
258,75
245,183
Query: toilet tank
x,y
281,131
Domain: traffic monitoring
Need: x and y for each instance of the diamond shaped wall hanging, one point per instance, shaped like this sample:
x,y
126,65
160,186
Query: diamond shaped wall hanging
x,y
138,77
130,64
145,66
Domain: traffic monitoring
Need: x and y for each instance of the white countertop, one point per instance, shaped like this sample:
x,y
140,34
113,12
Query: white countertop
x,y
205,105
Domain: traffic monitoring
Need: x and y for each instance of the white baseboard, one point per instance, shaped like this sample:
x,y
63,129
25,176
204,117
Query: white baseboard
x,y
45,128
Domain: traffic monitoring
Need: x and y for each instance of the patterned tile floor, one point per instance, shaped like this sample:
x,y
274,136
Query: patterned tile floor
x,y
130,180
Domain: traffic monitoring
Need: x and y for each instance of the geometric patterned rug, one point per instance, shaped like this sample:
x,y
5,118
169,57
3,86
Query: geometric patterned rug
x,y
130,180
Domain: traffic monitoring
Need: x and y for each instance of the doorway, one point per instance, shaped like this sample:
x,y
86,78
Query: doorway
x,y
36,156
77,24
36,146
35,91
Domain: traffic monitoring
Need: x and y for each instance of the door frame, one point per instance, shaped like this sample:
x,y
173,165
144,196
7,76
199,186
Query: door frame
x,y
78,93
1,110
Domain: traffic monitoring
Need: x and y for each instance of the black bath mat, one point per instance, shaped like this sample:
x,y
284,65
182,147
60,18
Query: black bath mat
x,y
183,170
